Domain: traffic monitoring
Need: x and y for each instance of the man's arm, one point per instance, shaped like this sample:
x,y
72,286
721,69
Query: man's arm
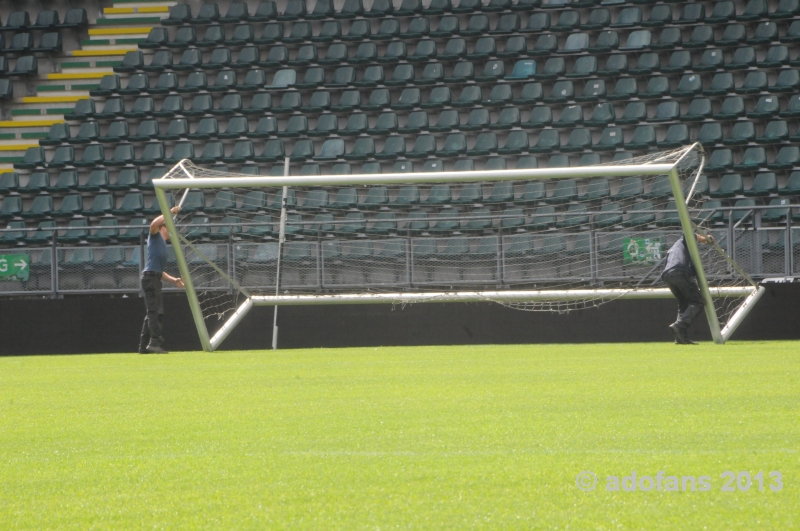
x,y
157,223
169,278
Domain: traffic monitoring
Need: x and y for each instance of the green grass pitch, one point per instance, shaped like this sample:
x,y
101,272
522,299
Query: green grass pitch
x,y
478,437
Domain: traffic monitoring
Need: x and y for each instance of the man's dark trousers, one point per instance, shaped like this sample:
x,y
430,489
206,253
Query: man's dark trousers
x,y
154,303
690,302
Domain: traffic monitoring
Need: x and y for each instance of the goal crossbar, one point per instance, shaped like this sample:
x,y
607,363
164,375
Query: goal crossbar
x,y
170,182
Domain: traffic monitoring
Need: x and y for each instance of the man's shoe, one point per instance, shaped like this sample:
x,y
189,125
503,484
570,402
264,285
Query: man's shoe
x,y
155,349
680,335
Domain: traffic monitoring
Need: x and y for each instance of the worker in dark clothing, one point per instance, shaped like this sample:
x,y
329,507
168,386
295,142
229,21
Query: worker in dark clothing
x,y
151,341
680,276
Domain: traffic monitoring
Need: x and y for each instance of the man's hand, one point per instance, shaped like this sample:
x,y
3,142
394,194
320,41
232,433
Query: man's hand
x,y
175,210
708,240
179,283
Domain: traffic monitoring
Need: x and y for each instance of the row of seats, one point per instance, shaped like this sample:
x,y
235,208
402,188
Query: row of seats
x,y
209,13
69,181
603,114
765,184
424,145
691,13
225,201
24,67
22,43
105,232
478,119
478,25
753,158
658,87
610,139
249,57
74,18
343,76
416,222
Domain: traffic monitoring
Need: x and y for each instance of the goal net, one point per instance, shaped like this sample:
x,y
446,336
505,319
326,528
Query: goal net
x,y
534,239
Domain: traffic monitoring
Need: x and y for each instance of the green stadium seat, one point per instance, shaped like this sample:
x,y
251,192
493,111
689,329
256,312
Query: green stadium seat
x,y
157,38
753,158
610,139
431,74
741,133
732,108
133,61
786,9
58,134
395,52
644,138
43,235
546,44
629,188
764,184
78,231
776,57
666,111
213,36
462,72
699,110
418,27
788,157
729,186
9,182
11,207
710,134
446,121
743,58
677,135
132,205
754,83
337,53
514,46
624,89
788,81
67,181
580,139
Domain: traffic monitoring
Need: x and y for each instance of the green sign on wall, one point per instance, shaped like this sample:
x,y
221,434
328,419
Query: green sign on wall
x,y
14,266
641,250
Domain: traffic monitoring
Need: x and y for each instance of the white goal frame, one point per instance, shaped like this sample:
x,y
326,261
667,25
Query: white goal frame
x,y
172,182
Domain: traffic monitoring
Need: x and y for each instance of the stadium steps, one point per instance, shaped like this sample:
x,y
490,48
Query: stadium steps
x,y
111,36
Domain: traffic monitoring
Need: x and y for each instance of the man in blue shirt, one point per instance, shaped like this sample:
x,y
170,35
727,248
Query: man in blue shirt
x,y
680,276
151,340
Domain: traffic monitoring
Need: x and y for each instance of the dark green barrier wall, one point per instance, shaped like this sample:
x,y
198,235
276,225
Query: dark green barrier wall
x,y
106,324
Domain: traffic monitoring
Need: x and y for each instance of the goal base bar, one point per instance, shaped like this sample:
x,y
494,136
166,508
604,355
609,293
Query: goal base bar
x,y
737,318
484,296
753,294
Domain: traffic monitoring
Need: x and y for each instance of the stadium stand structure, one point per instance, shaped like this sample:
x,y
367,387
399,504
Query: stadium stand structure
x,y
95,105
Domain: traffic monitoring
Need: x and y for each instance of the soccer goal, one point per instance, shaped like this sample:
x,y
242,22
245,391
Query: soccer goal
x,y
535,239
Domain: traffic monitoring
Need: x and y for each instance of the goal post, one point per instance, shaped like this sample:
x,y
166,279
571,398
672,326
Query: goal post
x,y
601,244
